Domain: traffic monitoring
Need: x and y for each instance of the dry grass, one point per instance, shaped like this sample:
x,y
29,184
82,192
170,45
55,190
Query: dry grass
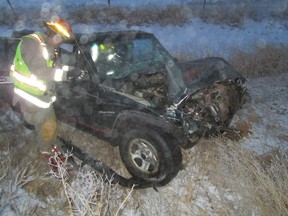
x,y
234,17
219,173
224,14
221,14
11,181
267,60
90,193
171,14
246,184
26,189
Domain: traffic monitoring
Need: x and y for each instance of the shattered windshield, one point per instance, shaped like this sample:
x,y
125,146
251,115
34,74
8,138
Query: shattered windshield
x,y
119,59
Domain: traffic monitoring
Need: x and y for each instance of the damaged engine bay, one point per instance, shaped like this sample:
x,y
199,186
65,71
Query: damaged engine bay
x,y
205,111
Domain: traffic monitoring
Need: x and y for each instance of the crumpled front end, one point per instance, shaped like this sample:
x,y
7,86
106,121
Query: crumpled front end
x,y
212,98
208,110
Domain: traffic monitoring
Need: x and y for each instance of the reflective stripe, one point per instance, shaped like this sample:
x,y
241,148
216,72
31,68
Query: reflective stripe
x,y
45,51
65,68
37,37
34,100
28,80
58,75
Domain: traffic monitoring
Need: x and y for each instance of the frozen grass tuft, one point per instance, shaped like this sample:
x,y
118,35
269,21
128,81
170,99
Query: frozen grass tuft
x,y
12,180
90,193
246,183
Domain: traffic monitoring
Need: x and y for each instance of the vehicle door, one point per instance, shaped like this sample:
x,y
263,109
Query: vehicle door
x,y
110,62
78,99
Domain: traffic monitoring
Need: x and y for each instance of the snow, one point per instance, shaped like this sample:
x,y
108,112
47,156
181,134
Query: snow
x,y
271,107
198,39
195,39
201,39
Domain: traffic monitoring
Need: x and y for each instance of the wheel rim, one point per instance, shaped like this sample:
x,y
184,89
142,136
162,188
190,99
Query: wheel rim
x,y
143,156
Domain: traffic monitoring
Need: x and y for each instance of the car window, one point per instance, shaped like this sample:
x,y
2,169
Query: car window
x,y
116,60
147,57
142,50
109,58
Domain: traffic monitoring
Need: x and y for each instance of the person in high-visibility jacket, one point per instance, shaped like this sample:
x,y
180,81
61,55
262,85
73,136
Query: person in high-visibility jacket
x,y
34,75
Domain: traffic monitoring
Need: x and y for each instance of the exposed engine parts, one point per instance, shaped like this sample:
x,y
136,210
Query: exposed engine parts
x,y
151,87
206,109
216,103
209,108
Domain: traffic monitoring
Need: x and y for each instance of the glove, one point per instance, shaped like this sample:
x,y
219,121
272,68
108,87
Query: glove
x,y
76,73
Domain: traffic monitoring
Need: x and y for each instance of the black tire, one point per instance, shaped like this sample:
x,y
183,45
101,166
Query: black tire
x,y
150,156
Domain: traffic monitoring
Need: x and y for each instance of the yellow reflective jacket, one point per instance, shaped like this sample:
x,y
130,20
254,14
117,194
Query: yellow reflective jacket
x,y
33,72
22,76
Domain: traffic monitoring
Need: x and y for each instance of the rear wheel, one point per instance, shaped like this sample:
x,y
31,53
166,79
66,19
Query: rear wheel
x,y
150,156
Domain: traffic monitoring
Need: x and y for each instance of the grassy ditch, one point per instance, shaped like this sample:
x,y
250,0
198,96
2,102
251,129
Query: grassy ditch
x,y
264,61
246,183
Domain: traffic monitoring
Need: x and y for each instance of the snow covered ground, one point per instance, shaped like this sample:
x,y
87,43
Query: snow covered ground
x,y
267,113
269,106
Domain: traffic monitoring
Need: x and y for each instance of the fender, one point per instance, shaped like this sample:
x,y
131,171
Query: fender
x,y
131,118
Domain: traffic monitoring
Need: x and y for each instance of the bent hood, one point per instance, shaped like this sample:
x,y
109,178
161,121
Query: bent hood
x,y
188,77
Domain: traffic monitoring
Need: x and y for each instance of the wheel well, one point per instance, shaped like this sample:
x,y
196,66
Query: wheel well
x,y
117,136
118,133
169,154
138,120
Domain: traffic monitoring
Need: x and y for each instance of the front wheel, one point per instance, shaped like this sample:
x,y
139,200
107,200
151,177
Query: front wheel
x,y
150,156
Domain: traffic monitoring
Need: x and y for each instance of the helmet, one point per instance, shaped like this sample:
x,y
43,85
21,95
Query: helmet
x,y
61,27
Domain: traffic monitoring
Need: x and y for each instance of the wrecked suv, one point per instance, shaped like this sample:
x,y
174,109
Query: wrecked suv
x,y
140,98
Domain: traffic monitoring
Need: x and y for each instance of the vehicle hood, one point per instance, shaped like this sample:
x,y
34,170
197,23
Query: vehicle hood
x,y
188,77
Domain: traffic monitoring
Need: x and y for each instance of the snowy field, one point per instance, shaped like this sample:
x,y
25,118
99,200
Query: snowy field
x,y
267,113
195,39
